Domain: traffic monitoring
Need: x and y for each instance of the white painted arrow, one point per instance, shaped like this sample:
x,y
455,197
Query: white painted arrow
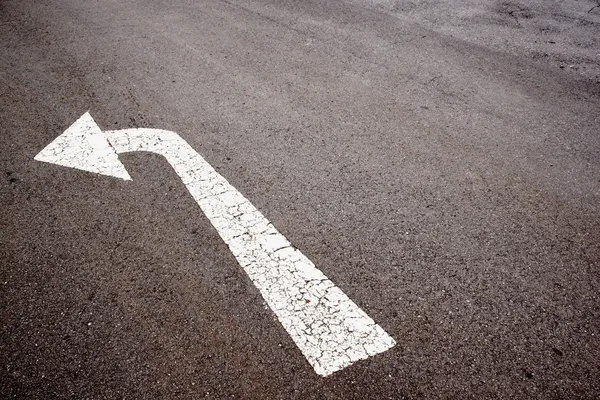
x,y
331,331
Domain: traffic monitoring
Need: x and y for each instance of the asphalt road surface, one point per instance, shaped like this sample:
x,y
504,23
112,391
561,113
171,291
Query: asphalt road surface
x,y
439,162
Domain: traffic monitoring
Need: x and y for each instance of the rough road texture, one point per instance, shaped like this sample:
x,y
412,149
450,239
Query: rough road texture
x,y
447,182
565,34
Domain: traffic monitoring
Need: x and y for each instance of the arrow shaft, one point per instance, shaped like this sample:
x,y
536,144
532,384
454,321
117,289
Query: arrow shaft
x,y
330,329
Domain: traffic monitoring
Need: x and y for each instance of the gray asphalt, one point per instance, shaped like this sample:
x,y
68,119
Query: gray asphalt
x,y
432,164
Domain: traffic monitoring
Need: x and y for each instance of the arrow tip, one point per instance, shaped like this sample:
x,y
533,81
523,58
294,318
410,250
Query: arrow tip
x,y
83,146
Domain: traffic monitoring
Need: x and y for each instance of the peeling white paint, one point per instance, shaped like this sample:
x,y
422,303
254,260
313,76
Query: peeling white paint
x,y
330,329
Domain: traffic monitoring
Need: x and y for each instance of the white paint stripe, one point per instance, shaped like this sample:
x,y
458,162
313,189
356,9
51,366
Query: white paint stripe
x,y
331,331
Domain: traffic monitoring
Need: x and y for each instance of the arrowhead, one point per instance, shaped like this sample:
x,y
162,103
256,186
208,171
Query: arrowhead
x,y
84,146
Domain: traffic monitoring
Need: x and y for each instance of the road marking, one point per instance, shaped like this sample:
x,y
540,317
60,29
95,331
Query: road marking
x,y
84,146
330,330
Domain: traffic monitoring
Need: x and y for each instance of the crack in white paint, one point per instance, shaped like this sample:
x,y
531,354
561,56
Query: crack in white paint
x,y
329,329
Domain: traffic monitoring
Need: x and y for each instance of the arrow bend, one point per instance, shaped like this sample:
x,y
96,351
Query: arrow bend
x,y
330,330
